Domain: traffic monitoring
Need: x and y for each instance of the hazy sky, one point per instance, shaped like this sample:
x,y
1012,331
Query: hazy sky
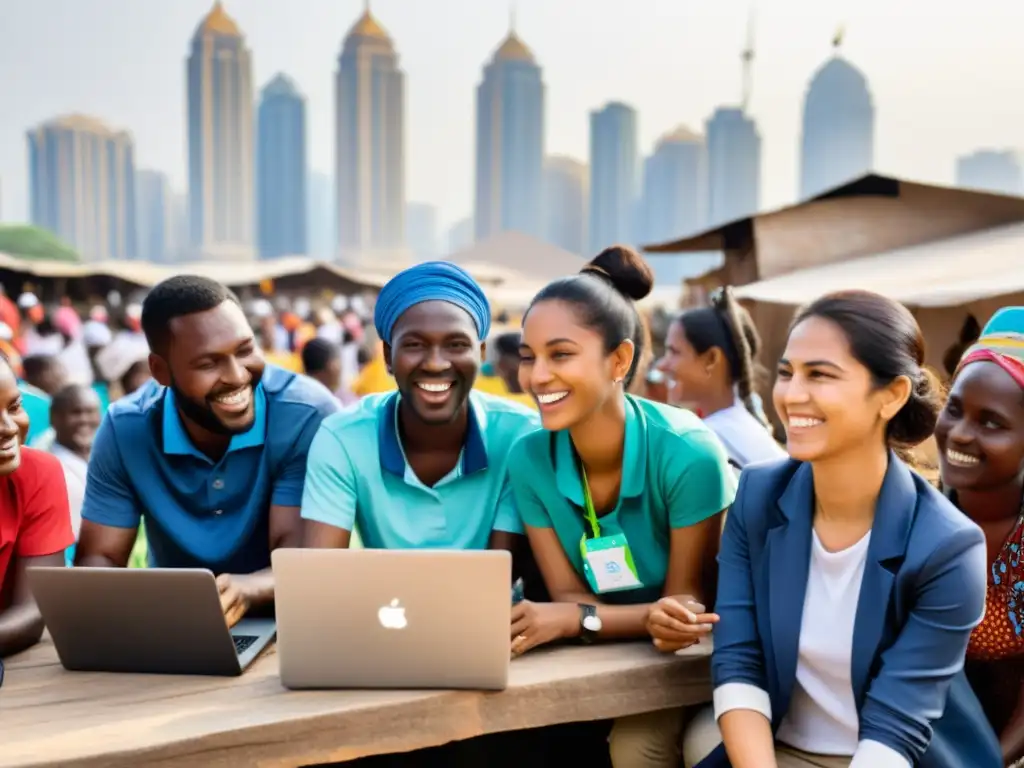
x,y
947,77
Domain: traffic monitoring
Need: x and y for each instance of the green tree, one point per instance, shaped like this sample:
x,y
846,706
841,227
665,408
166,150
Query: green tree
x,y
23,241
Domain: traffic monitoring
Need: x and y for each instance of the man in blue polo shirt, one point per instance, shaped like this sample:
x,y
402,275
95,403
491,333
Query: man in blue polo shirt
x,y
211,454
424,466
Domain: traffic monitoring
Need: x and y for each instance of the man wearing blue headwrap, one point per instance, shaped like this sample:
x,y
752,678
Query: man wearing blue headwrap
x,y
424,466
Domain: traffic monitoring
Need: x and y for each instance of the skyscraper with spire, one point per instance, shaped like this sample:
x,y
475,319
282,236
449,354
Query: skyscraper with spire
x,y
221,154
734,151
838,125
510,142
369,145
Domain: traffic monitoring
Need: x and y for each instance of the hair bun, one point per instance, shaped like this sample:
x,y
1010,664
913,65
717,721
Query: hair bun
x,y
625,269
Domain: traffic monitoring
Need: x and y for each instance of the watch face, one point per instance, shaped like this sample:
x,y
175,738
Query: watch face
x,y
592,623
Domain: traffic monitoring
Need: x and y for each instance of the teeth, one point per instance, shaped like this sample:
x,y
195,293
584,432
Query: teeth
x,y
955,457
234,398
804,423
550,397
435,386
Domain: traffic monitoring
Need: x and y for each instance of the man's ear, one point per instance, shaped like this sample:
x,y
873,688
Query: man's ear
x,y
159,369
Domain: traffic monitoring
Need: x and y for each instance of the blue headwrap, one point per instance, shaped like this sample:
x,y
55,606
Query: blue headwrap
x,y
430,281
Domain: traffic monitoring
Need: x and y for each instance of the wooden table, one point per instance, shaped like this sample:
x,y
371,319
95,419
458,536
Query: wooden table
x,y
50,717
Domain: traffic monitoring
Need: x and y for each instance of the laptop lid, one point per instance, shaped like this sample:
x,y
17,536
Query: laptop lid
x,y
372,618
144,620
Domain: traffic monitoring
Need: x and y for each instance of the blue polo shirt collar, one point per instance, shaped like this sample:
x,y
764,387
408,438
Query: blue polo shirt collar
x,y
176,439
634,459
392,457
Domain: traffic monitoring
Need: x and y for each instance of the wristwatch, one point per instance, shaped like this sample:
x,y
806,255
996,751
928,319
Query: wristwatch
x,y
590,622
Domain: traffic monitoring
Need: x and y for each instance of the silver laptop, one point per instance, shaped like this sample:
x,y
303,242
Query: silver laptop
x,y
149,620
374,618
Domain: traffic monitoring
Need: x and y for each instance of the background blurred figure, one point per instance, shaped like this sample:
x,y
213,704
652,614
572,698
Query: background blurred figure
x,y
75,417
321,360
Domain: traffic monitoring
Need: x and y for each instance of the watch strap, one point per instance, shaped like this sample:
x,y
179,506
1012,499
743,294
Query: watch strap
x,y
586,611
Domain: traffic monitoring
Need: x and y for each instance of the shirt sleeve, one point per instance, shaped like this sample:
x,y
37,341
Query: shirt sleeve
x,y
109,496
46,518
289,483
528,505
331,489
698,477
507,518
874,754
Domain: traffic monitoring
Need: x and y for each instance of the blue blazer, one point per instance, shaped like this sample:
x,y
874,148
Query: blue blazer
x,y
922,594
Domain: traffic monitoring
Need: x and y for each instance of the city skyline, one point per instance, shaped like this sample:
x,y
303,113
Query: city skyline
x,y
689,103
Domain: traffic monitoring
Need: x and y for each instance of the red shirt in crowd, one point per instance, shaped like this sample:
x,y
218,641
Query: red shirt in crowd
x,y
35,519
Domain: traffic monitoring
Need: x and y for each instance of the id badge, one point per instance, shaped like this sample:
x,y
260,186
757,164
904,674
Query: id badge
x,y
608,564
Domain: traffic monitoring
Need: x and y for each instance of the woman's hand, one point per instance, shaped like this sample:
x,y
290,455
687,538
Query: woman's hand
x,y
534,624
678,622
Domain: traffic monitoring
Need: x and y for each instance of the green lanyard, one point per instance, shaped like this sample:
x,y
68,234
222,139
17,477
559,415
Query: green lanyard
x,y
588,505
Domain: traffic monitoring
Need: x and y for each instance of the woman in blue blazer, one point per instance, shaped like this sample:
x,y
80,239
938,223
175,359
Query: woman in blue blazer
x,y
848,586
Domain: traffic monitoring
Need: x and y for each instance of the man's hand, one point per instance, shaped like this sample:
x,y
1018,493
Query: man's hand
x,y
678,622
235,596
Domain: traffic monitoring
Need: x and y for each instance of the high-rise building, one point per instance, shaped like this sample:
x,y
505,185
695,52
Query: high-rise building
x,y
369,145
734,165
421,230
510,142
281,170
566,190
221,154
614,168
154,206
82,186
838,128
675,186
991,170
322,209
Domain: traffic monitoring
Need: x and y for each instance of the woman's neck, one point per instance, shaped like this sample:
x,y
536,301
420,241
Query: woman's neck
x,y
721,398
599,439
846,487
992,504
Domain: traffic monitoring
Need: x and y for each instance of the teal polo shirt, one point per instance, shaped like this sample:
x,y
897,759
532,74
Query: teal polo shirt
x,y
200,512
675,473
357,476
37,405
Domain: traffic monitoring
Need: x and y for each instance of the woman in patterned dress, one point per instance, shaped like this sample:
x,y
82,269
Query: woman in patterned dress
x,y
980,435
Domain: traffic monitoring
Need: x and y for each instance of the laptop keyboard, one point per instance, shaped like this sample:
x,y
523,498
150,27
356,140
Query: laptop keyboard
x,y
242,642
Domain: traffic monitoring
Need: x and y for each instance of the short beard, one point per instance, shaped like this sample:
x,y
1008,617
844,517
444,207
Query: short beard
x,y
202,414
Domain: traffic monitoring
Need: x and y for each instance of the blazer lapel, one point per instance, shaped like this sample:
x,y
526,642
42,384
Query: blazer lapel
x,y
894,517
788,548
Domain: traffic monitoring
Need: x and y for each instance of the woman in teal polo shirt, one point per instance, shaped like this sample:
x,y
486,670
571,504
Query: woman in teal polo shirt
x,y
621,497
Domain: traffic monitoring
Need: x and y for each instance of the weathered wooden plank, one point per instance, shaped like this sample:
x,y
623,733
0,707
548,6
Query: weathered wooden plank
x,y
50,717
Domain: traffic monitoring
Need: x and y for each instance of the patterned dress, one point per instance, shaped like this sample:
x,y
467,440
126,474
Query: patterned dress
x,y
995,654
1001,633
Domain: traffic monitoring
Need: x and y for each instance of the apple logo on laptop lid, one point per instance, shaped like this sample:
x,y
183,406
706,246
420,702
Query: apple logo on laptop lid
x,y
392,616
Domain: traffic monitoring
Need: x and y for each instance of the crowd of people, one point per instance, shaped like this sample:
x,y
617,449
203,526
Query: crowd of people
x,y
860,615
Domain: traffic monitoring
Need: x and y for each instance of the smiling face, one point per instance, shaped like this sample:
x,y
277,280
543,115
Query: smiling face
x,y
75,418
825,397
564,365
688,373
435,356
13,421
213,365
980,432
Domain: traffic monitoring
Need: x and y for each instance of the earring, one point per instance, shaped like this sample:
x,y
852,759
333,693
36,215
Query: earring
x,y
617,381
